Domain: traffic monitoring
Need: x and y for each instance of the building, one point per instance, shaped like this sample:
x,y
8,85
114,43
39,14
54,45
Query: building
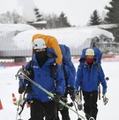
x,y
16,41
8,49
38,25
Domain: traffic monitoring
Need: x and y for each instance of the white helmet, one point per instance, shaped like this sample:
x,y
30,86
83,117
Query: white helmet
x,y
90,51
39,43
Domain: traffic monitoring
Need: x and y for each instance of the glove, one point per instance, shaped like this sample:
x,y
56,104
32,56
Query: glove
x,y
60,106
64,99
107,78
72,93
80,106
57,97
21,88
105,99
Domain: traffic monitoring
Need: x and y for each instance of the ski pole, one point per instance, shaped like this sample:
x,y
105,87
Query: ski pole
x,y
80,92
47,92
20,102
76,111
18,116
78,99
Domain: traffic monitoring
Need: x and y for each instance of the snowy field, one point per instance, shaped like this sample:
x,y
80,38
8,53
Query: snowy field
x,y
9,85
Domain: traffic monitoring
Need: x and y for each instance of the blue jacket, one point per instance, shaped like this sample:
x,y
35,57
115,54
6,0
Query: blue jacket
x,y
89,78
68,67
42,75
70,78
67,58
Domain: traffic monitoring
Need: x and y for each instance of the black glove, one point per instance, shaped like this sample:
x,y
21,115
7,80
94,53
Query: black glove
x,y
72,93
107,78
57,97
64,99
80,106
21,88
60,106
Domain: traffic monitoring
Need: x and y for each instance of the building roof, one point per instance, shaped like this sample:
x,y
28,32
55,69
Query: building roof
x,y
7,33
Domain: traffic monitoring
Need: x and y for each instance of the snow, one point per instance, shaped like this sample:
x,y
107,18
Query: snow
x,y
76,35
73,37
15,27
9,85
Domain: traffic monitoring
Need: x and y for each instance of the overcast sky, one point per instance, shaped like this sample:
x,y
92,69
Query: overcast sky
x,y
78,12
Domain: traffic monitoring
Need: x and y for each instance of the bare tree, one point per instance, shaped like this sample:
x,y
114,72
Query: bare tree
x,y
9,17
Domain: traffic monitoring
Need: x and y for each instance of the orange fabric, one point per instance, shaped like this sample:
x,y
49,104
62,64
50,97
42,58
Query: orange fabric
x,y
51,42
1,107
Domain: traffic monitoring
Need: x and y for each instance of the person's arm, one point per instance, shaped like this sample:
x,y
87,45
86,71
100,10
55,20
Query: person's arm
x,y
22,80
102,80
79,77
70,78
60,81
71,83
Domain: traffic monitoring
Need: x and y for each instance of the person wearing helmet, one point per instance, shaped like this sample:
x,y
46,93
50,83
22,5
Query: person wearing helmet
x,y
89,74
41,104
39,47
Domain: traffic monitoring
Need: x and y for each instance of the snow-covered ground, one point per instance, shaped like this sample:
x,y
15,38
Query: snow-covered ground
x,y
9,85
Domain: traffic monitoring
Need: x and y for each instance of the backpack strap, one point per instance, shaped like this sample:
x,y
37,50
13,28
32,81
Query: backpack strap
x,y
30,69
50,55
31,64
53,69
97,65
65,74
98,69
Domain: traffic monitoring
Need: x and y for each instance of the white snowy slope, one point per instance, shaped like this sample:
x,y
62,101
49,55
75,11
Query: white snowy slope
x,y
9,85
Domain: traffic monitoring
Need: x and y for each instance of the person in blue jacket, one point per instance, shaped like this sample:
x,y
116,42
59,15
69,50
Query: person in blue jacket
x,y
89,75
41,103
69,75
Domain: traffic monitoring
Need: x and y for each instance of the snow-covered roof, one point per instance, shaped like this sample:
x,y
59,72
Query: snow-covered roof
x,y
73,37
40,22
108,26
76,38
7,32
15,27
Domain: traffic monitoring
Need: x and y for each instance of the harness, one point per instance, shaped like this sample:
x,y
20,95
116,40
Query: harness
x,y
52,67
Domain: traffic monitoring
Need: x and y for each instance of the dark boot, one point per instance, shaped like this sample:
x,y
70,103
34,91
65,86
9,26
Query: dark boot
x,y
79,118
87,116
65,114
